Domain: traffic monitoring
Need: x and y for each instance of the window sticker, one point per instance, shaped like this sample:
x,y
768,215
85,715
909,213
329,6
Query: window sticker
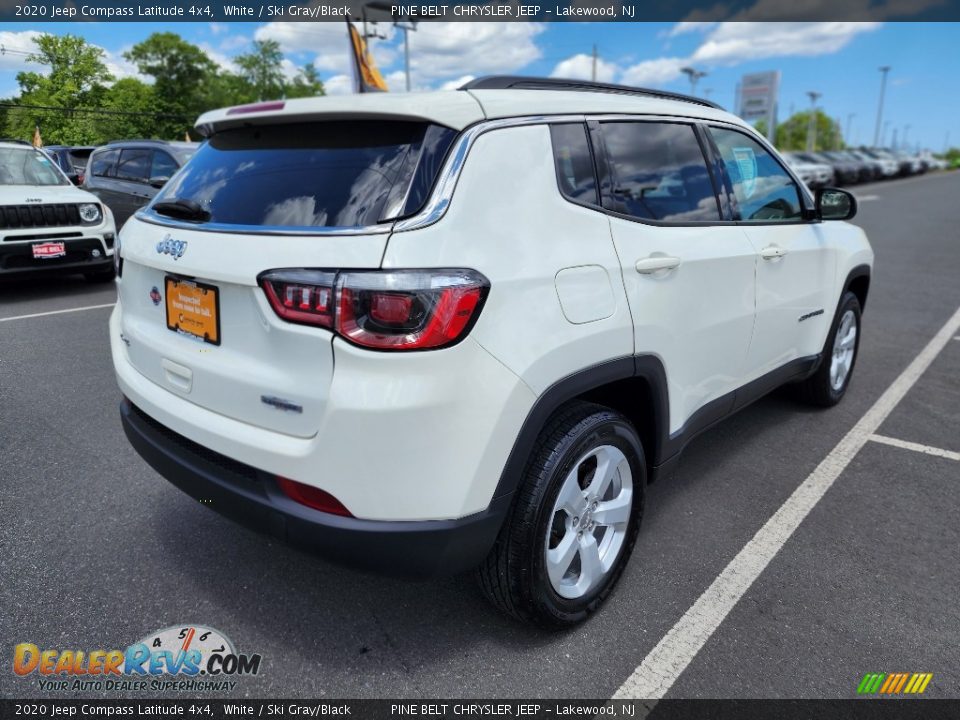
x,y
747,164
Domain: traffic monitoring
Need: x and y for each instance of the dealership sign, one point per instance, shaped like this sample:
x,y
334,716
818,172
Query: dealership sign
x,y
757,98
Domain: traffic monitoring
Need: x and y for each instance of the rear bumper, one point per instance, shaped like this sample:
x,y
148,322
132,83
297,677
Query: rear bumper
x,y
416,549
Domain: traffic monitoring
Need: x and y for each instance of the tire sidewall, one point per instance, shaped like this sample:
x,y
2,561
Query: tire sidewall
x,y
848,302
609,430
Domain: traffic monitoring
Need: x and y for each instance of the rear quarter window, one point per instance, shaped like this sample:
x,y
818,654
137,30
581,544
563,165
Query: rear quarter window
x,y
320,174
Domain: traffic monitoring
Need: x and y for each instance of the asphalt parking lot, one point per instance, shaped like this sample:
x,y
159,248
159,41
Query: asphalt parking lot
x,y
98,550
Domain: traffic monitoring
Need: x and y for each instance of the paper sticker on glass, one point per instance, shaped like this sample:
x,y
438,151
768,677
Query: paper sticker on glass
x,y
747,164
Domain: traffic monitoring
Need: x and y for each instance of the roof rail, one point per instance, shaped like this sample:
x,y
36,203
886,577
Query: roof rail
x,y
519,82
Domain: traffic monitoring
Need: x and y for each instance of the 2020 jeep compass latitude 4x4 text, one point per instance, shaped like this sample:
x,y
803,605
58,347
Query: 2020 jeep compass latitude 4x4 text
x,y
427,333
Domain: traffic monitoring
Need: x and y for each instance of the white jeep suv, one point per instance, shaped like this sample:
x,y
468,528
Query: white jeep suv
x,y
425,333
47,224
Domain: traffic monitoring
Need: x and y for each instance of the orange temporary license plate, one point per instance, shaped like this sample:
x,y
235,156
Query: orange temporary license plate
x,y
194,309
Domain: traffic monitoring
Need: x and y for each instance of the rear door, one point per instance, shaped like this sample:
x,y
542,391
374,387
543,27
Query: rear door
x,y
796,265
688,271
132,180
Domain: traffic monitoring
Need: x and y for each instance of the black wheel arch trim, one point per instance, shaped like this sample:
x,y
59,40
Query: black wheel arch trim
x,y
647,367
664,447
856,273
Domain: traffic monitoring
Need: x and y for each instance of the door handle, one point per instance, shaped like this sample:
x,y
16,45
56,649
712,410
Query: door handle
x,y
772,252
656,263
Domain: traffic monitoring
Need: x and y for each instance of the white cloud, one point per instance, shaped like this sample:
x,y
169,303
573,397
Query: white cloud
x,y
328,43
219,28
234,42
441,50
580,67
20,44
683,28
730,43
653,72
339,85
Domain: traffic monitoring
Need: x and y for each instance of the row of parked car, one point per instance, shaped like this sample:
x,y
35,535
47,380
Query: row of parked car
x,y
61,207
848,167
124,174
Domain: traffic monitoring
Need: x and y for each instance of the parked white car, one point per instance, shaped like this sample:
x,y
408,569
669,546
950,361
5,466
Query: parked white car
x,y
423,333
47,224
813,175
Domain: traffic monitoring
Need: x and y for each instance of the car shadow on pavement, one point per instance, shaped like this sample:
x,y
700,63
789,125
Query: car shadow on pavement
x,y
44,287
264,583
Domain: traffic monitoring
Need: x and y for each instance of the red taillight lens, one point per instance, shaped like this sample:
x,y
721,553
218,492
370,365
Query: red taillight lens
x,y
384,310
301,296
312,497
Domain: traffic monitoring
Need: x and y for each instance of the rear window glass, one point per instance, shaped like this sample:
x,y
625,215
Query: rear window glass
x,y
321,174
574,162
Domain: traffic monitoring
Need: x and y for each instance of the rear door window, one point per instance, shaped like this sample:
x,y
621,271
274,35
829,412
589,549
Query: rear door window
x,y
104,163
134,164
658,172
163,166
322,174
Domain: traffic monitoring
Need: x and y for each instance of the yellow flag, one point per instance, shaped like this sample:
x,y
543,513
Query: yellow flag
x,y
37,140
368,76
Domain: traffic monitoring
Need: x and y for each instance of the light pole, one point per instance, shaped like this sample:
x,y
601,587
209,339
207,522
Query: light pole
x,y
694,76
812,127
848,140
406,26
903,137
883,88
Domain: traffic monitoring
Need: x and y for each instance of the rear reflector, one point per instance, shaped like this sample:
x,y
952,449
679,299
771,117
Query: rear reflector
x,y
312,497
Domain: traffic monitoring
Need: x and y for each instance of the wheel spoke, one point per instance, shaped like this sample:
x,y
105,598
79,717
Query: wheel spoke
x,y
616,511
849,339
591,568
560,557
571,499
608,462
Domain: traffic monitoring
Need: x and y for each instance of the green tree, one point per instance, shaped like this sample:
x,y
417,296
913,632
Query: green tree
x,y
179,70
222,89
76,77
792,133
263,69
307,83
129,96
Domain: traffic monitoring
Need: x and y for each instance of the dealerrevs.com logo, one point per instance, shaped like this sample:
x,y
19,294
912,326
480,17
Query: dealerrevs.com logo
x,y
187,658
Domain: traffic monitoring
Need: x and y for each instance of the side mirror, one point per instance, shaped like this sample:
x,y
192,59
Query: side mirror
x,y
159,182
834,204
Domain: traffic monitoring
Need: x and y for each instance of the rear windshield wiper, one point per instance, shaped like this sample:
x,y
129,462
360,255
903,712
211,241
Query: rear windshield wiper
x,y
183,209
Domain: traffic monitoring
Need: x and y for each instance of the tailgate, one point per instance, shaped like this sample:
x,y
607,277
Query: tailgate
x,y
258,369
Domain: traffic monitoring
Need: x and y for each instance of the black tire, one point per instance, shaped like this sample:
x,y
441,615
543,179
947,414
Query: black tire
x,y
101,276
818,389
514,575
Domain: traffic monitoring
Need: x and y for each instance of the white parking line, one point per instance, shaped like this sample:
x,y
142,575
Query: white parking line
x,y
866,198
664,664
916,447
56,312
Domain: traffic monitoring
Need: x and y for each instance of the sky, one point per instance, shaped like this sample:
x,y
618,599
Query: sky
x,y
837,59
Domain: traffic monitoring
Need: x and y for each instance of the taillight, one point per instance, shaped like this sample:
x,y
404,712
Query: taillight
x,y
312,497
301,296
384,310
